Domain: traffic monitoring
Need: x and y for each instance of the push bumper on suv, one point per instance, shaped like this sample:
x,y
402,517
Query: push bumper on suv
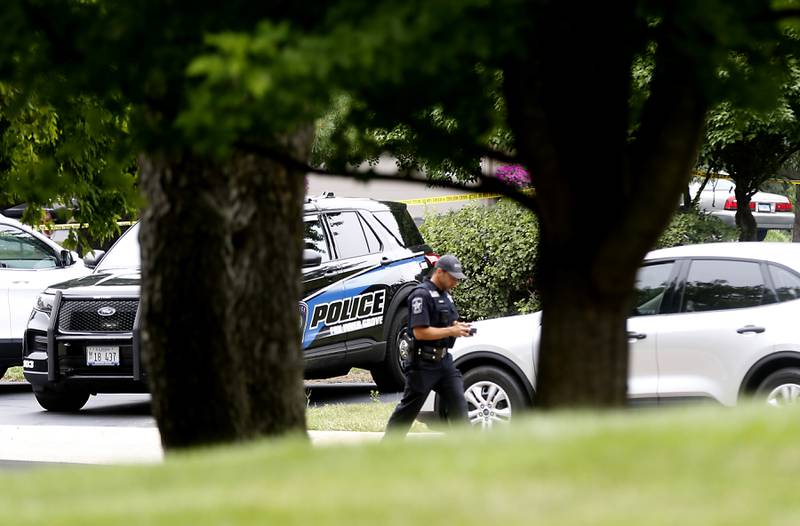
x,y
87,344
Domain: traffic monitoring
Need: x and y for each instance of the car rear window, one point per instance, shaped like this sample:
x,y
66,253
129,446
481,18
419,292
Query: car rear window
x,y
787,284
398,222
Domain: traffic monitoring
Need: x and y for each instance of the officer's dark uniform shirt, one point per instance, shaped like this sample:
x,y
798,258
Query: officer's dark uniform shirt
x,y
430,307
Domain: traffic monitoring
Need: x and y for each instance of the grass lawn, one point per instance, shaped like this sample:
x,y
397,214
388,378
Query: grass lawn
x,y
704,466
14,374
353,417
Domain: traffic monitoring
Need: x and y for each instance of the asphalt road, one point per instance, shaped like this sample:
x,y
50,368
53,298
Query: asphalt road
x,y
122,413
18,406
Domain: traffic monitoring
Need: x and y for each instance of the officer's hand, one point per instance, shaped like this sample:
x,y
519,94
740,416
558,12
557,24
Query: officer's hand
x,y
459,329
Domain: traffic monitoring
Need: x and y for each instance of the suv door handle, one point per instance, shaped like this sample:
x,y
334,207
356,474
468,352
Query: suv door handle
x,y
636,335
750,328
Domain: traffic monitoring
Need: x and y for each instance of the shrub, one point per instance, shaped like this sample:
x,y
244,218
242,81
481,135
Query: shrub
x,y
497,246
691,227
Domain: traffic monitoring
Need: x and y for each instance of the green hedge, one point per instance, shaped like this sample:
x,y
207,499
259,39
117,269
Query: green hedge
x,y
693,226
498,245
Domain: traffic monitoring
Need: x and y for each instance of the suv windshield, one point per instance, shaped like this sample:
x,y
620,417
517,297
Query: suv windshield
x,y
124,253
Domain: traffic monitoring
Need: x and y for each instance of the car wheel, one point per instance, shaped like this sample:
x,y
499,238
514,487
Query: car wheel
x,y
781,388
388,374
493,395
61,402
761,234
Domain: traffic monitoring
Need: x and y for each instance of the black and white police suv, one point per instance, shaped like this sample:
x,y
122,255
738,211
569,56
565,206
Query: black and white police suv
x,y
361,260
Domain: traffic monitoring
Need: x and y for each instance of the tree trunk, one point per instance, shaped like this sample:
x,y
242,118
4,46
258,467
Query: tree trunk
x,y
185,292
745,221
584,359
586,281
266,288
796,229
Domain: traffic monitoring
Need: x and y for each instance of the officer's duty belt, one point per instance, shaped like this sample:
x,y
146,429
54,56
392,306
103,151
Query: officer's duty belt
x,y
431,354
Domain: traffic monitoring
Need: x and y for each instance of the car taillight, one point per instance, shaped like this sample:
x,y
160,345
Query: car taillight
x,y
752,205
431,258
730,203
783,207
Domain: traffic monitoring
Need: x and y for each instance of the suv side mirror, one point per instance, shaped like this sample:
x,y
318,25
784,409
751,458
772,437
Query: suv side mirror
x,y
311,258
65,257
91,259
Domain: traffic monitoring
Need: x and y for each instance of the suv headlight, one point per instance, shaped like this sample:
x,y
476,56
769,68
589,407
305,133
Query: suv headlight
x,y
44,303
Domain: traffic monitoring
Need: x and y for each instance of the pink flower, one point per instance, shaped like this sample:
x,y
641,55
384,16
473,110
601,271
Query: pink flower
x,y
513,174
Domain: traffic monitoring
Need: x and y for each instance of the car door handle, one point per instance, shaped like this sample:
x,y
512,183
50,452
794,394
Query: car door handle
x,y
636,336
20,282
750,328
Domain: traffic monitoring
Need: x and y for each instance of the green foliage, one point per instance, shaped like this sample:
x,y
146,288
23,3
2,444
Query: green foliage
x,y
76,153
693,226
497,246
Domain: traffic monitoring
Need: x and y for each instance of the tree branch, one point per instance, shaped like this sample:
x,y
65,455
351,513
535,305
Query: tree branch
x,y
485,184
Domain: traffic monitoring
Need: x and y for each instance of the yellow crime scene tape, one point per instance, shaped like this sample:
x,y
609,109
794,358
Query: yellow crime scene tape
x,y
77,226
457,197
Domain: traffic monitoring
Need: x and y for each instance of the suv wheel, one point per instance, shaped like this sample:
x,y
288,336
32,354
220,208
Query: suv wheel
x,y
388,374
781,388
61,402
492,396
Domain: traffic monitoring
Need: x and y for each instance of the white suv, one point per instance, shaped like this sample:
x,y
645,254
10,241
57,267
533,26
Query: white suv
x,y
29,263
714,321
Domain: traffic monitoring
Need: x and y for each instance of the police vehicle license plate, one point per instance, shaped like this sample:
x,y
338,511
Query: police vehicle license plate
x,y
764,207
102,355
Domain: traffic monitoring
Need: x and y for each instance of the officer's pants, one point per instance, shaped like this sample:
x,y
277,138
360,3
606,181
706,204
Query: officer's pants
x,y
421,378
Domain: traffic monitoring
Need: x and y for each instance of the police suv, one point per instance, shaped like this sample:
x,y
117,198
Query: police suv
x,y
361,260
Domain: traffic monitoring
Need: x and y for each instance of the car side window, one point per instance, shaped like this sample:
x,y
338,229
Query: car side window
x,y
348,236
724,284
787,283
314,237
20,250
373,243
651,284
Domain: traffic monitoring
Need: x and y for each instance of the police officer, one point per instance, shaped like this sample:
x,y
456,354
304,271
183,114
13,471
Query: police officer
x,y
433,322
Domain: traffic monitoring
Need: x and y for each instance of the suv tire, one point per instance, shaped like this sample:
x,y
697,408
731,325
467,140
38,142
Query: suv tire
x,y
61,402
492,396
781,387
388,374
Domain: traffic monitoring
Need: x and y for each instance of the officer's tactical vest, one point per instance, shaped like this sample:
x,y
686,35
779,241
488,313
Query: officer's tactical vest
x,y
440,317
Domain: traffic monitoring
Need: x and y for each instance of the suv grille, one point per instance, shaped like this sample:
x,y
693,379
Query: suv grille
x,y
82,315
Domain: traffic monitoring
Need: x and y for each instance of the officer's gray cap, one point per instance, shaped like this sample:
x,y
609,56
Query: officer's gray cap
x,y
450,264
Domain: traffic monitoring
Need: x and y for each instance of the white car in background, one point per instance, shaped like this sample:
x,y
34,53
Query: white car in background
x,y
713,321
771,211
29,263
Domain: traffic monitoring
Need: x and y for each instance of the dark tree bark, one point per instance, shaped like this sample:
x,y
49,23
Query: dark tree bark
x,y
796,229
184,232
265,287
571,139
745,221
223,346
